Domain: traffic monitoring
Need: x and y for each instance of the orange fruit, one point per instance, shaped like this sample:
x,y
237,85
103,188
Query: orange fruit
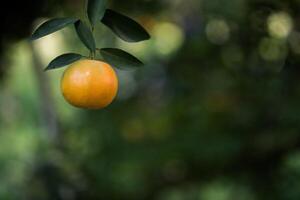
x,y
89,84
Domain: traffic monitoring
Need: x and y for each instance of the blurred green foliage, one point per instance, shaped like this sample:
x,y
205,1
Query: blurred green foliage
x,y
213,116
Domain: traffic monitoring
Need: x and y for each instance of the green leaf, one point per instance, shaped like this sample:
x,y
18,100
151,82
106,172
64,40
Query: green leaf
x,y
120,59
52,26
85,35
124,27
96,10
63,60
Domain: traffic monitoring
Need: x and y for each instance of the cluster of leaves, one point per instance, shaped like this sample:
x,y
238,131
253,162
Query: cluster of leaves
x,y
124,27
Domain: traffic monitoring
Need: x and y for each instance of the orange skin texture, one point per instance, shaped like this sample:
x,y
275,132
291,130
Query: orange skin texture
x,y
89,84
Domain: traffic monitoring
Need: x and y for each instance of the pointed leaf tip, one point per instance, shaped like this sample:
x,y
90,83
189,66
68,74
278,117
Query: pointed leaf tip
x,y
120,59
96,10
63,60
124,27
85,35
52,26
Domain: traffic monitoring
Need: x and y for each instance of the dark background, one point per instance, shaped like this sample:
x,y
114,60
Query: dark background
x,y
214,114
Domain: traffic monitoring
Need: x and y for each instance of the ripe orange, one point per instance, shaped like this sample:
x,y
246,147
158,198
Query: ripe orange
x,y
89,84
